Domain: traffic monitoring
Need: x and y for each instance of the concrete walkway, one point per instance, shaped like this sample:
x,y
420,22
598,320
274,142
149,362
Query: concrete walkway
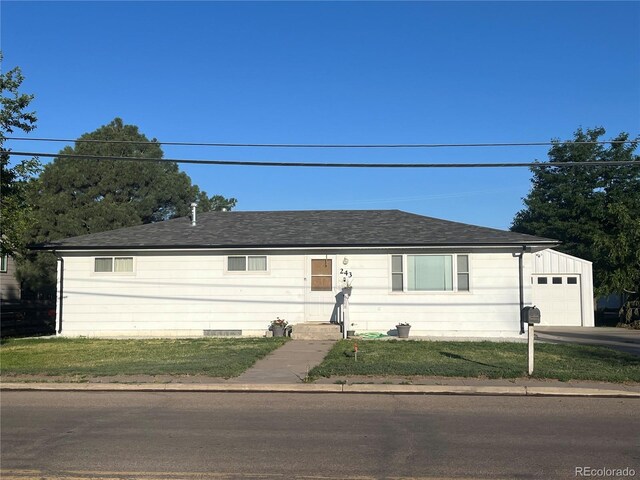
x,y
288,364
622,339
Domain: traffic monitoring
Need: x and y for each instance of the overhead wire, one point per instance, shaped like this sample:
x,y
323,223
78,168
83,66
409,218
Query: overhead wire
x,y
325,145
328,164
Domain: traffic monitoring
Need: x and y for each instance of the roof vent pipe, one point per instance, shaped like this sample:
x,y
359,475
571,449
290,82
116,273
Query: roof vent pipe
x,y
193,214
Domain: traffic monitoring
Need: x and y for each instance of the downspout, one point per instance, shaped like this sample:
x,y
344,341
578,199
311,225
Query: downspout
x,y
60,295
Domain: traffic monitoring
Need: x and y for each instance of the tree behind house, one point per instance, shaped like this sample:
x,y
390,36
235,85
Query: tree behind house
x,y
594,211
15,211
82,196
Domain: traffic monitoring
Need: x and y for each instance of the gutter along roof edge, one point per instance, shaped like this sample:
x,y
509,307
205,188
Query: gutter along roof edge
x,y
546,244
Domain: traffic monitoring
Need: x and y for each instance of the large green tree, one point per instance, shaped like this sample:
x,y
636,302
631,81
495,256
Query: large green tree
x,y
15,211
593,210
81,196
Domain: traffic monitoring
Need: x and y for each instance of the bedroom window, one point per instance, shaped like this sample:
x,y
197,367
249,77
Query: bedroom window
x,y
430,273
113,265
247,263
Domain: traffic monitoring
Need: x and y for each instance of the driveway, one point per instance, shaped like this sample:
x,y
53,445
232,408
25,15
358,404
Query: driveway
x,y
617,338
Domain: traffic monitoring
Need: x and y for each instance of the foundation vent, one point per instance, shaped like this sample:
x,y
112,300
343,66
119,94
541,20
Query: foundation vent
x,y
222,333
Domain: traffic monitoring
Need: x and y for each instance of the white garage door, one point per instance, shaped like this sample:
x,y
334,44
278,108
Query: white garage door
x,y
558,298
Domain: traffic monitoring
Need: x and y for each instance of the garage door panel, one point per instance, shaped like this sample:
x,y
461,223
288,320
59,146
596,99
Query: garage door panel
x,y
558,298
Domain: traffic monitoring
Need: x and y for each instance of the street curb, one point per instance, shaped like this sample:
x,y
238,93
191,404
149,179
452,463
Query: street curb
x,y
325,388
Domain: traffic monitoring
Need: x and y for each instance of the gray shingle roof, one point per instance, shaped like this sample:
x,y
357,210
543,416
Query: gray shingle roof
x,y
315,228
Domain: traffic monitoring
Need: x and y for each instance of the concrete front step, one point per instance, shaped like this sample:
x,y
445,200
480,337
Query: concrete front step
x,y
316,331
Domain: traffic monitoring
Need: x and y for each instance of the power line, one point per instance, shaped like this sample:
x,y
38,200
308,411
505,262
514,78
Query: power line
x,y
328,145
328,165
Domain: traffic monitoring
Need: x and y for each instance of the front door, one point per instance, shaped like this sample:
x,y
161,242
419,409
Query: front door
x,y
320,288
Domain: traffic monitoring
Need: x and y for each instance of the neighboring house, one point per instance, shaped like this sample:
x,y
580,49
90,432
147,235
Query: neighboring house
x,y
234,272
9,284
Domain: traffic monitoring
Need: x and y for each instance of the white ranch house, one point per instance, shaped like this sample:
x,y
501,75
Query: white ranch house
x,y
231,273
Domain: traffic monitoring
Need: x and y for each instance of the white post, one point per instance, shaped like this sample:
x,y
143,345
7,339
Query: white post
x,y
530,348
58,295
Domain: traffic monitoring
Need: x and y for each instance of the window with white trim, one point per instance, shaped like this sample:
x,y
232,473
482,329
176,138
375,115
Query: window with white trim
x,y
247,263
397,275
463,273
430,273
4,261
113,265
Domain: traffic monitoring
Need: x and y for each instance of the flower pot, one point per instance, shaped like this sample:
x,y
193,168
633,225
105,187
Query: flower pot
x,y
403,331
351,333
278,330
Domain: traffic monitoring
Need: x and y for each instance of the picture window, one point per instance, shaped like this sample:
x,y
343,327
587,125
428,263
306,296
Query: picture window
x,y
435,273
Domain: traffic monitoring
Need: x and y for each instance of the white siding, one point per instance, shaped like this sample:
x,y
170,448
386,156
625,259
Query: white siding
x,y
182,294
490,309
549,262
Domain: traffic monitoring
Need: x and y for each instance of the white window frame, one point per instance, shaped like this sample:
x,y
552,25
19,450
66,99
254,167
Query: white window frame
x,y
4,266
113,263
405,283
247,271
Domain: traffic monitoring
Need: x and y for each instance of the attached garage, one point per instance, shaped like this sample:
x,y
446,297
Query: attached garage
x,y
562,288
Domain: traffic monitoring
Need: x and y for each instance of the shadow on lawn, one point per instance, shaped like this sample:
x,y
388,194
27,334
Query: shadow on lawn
x,y
455,356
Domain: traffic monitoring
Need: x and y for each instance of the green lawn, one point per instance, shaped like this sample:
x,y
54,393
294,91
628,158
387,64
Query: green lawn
x,y
477,359
213,357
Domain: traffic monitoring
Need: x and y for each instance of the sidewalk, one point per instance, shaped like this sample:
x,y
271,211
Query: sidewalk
x,y
604,391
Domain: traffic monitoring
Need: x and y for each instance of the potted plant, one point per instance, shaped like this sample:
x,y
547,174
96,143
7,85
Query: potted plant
x,y
403,330
278,327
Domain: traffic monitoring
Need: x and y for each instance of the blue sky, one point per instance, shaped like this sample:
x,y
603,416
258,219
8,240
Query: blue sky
x,y
332,72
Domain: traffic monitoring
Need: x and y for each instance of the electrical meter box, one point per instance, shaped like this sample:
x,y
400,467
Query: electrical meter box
x,y
531,315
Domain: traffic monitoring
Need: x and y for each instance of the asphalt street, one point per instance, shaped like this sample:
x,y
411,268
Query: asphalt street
x,y
251,435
